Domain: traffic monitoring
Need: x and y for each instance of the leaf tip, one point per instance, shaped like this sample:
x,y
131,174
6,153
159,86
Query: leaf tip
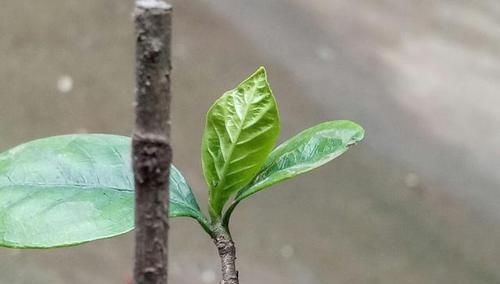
x,y
360,135
260,73
357,132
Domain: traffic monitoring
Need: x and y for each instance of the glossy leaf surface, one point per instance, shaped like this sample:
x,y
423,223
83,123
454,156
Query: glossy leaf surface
x,y
70,189
307,150
241,129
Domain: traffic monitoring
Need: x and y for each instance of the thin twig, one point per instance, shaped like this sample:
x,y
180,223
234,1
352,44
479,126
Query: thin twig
x,y
227,253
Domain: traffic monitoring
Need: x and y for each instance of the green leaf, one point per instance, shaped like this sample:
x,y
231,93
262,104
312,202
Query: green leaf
x,y
304,152
70,189
241,129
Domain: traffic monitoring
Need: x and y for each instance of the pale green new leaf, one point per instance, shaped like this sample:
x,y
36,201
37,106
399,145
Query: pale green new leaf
x,y
70,189
306,151
241,129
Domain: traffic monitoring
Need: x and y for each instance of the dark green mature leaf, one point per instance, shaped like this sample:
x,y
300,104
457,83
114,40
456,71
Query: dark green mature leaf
x,y
306,151
241,129
66,190
182,200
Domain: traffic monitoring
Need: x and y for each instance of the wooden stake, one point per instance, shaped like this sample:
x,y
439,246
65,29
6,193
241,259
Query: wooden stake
x,y
151,150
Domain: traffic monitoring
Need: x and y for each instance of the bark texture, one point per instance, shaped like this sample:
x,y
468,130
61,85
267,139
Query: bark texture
x,y
227,253
151,150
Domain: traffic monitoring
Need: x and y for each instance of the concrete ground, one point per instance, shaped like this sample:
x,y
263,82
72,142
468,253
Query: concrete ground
x,y
416,202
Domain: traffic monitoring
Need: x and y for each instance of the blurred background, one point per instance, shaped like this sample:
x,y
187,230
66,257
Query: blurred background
x,y
417,202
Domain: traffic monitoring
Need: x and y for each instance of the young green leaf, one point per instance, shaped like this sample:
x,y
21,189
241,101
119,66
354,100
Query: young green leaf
x,y
241,128
70,189
306,151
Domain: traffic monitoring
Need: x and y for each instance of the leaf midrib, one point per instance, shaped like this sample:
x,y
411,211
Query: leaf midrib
x,y
233,145
83,186
87,187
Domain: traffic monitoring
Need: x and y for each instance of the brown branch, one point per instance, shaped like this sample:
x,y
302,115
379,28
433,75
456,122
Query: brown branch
x,y
151,150
227,252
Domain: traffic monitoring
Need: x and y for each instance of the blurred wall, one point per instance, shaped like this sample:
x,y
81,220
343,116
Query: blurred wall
x,y
416,202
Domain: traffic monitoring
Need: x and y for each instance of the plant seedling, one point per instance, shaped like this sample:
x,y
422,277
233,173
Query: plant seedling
x,y
67,190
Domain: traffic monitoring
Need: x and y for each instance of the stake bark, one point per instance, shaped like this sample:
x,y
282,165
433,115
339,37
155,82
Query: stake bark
x,y
151,150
